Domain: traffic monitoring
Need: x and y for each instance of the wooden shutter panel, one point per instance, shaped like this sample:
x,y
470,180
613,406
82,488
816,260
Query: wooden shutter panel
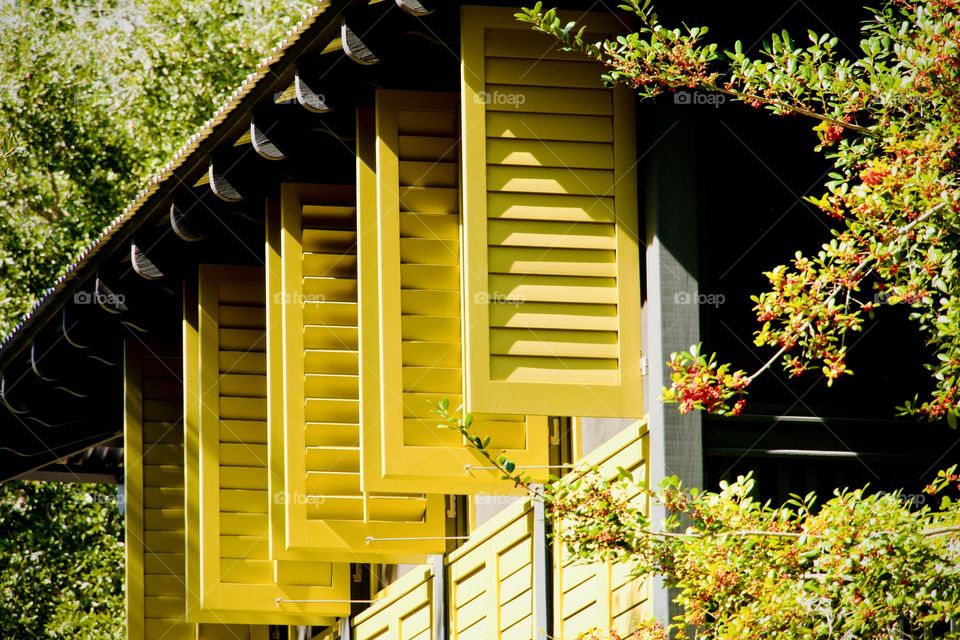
x,y
230,574
326,512
603,595
550,216
491,579
414,228
153,481
154,512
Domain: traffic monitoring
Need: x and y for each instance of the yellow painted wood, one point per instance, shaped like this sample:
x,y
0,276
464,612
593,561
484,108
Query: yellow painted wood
x,y
230,575
550,235
156,606
539,127
402,611
548,100
325,512
412,297
580,74
533,153
505,43
603,595
560,180
551,261
491,578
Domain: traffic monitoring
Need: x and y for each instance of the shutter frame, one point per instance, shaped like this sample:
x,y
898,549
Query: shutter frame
x,y
483,392
210,598
296,536
151,616
391,464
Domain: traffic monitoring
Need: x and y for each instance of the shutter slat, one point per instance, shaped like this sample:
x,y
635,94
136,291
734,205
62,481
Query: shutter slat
x,y
543,127
331,385
550,207
330,289
430,328
329,265
243,385
547,73
428,276
331,434
428,148
553,370
329,241
562,180
511,97
438,226
428,174
551,235
326,337
532,153
560,262
541,315
433,201
561,289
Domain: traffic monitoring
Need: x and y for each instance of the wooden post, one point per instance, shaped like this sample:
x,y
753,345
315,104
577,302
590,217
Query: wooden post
x,y
670,314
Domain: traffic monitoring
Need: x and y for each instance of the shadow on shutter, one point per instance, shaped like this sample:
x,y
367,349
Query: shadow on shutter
x,y
326,512
155,542
231,576
410,218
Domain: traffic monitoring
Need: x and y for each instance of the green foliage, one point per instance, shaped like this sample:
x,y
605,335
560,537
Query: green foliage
x,y
863,565
860,566
61,561
890,123
95,97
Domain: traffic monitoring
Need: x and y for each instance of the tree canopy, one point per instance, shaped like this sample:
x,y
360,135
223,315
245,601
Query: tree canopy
x,y
61,561
94,97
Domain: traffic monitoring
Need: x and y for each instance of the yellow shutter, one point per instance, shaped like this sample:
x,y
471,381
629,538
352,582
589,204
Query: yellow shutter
x,y
402,611
550,216
414,228
603,595
230,575
491,579
315,342
154,481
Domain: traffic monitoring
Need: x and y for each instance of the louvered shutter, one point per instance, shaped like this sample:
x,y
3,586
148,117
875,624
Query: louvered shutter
x,y
491,579
154,509
325,512
230,575
153,481
550,216
416,219
603,595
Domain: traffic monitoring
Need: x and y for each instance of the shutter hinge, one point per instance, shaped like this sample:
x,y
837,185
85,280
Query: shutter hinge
x,y
451,506
644,366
